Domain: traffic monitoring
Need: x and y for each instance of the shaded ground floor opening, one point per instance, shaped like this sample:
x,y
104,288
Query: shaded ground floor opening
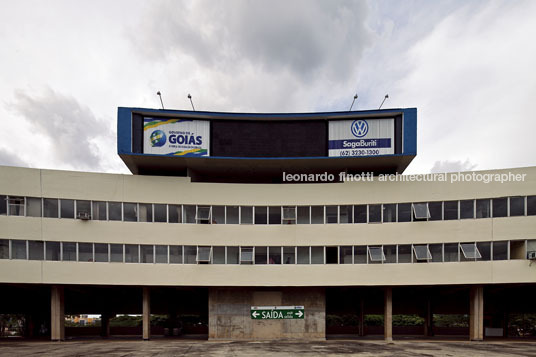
x,y
466,312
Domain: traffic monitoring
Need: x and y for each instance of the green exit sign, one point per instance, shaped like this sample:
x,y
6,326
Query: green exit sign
x,y
277,312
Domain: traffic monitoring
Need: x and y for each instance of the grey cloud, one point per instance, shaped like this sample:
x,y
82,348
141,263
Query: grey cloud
x,y
8,158
452,166
311,39
69,126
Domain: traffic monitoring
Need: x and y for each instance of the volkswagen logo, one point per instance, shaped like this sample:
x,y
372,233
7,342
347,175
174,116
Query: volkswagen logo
x,y
359,128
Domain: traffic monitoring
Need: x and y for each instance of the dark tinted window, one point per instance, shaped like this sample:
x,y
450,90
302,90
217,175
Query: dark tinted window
x,y
404,212
500,207
389,213
482,208
467,209
67,208
500,250
531,205
360,214
436,210
375,213
450,210
50,207
517,206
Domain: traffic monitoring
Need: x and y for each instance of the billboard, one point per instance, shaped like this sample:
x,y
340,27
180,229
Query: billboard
x,y
361,137
176,137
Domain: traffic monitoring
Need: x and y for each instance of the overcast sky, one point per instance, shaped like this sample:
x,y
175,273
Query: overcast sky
x,y
468,67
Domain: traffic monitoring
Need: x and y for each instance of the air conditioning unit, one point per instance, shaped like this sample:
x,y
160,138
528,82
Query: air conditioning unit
x,y
84,216
531,255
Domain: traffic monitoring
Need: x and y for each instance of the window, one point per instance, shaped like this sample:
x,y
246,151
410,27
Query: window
x,y
246,255
160,213
389,213
114,211
67,208
232,214
218,255
99,211
18,249
36,250
317,214
101,252
500,250
130,212
218,214
116,253
482,209
68,251
404,212
360,214
467,209
304,215
360,254
289,255
175,254
147,253
16,206
390,253
317,255
450,252
175,213
33,207
246,215
145,212
274,255
261,215
233,255
203,214
437,252
4,247
531,205
332,255
375,213
376,254
422,253
160,253
346,255
345,214
485,250
517,206
303,255
52,251
289,215
261,255
50,207
3,204
132,253
275,215
332,214
470,251
500,207
436,211
83,209
85,252
404,253
189,213
420,211
190,254
450,210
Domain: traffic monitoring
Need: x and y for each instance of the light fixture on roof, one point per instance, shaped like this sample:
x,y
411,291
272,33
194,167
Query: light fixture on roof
x,y
191,102
386,96
160,96
353,101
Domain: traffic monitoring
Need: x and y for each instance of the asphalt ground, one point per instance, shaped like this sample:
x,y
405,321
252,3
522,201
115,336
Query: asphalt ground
x,y
178,347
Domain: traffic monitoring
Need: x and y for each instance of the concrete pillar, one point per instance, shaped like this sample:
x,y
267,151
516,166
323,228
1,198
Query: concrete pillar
x,y
146,313
362,318
428,319
57,313
476,313
105,325
388,315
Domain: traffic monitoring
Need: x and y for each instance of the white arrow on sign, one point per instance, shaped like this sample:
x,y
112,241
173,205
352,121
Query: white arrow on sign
x,y
299,313
255,314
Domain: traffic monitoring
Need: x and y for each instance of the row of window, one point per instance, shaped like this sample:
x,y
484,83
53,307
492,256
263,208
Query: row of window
x,y
203,214
178,254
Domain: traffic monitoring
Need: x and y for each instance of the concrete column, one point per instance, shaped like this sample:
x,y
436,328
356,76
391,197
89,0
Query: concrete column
x,y
388,315
146,313
57,313
362,318
428,319
105,325
476,313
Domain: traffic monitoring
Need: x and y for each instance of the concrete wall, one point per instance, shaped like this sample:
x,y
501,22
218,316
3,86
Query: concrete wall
x,y
229,313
